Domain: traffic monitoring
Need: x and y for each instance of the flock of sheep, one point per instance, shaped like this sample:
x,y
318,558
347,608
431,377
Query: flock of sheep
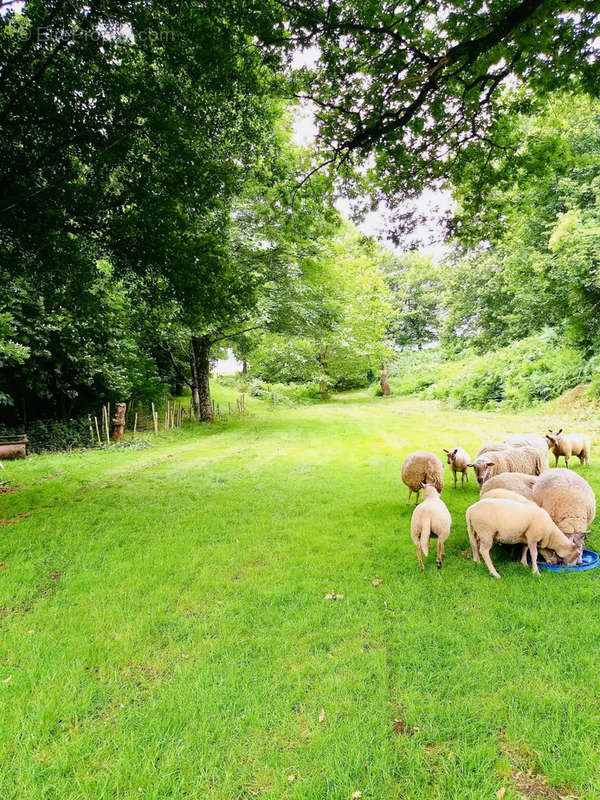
x,y
522,500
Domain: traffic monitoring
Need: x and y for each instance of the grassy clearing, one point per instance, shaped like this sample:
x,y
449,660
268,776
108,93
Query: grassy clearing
x,y
165,633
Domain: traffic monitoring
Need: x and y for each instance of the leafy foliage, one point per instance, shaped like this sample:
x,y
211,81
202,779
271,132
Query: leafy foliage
x,y
528,371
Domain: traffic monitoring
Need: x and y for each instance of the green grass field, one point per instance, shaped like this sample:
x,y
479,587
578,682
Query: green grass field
x,y
165,632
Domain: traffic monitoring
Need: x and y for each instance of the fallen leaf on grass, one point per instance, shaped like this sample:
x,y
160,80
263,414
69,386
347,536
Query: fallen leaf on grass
x,y
2,566
377,581
465,554
500,793
7,680
322,715
291,778
399,726
356,795
334,596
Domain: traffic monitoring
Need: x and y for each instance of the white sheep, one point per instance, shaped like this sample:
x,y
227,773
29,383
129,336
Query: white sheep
x,y
515,459
422,467
569,444
527,440
514,481
431,518
459,461
509,522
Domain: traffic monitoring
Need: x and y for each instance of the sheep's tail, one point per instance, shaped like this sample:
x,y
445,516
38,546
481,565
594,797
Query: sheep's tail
x,y
425,534
472,536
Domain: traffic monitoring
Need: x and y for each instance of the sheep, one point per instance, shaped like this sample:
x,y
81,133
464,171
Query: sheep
x,y
515,459
422,467
514,481
430,518
568,498
569,444
458,460
527,440
506,494
492,447
508,522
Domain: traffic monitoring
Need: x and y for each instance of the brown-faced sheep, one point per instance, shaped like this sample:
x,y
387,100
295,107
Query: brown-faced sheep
x,y
514,481
458,460
431,518
507,522
515,459
569,444
422,467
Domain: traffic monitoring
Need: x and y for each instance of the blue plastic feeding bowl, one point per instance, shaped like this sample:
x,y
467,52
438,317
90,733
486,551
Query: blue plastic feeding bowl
x,y
590,560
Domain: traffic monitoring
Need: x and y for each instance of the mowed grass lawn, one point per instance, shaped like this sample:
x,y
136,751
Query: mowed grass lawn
x,y
165,632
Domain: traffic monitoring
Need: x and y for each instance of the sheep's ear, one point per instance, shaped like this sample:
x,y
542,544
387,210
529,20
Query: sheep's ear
x,y
455,451
446,451
489,463
559,432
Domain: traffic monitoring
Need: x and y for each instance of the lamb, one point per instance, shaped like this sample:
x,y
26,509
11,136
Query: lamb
x,y
515,459
514,481
458,460
431,518
569,444
422,467
507,522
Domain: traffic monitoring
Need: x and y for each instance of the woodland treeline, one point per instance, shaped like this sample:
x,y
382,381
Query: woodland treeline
x,y
155,208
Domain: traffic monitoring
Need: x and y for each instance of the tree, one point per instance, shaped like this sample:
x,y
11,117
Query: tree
x,y
338,336
415,283
403,90
525,254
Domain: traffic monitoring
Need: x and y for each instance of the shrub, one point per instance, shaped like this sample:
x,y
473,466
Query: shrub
x,y
528,371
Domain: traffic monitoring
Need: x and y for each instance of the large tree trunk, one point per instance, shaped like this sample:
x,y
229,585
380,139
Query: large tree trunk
x,y
384,382
200,365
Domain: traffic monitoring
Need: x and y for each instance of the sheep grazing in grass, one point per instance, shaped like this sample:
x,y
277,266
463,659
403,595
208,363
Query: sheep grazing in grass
x,y
458,460
513,481
422,467
515,459
508,522
569,444
431,518
492,447
569,500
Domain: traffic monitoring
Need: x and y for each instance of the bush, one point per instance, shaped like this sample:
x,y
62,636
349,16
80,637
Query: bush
x,y
283,393
528,371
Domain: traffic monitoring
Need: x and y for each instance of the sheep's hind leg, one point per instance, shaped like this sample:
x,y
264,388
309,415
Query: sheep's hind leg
x,y
440,553
474,545
485,554
534,553
419,556
524,556
409,494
